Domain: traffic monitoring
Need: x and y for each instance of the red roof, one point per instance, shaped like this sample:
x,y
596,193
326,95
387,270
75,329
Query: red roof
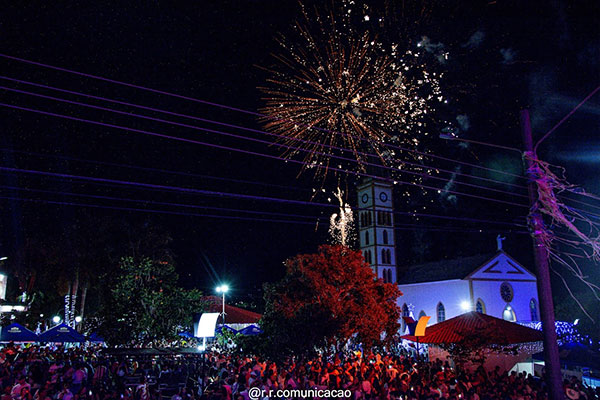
x,y
233,315
473,323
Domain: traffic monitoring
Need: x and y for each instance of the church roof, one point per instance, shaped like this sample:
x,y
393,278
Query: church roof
x,y
491,329
443,270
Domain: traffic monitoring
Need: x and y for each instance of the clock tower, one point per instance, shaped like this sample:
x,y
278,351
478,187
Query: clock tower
x,y
376,228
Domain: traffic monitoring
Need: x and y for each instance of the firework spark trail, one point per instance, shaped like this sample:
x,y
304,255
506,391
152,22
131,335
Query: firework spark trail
x,y
341,225
341,88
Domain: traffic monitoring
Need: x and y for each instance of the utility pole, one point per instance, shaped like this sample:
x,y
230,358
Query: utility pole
x,y
551,358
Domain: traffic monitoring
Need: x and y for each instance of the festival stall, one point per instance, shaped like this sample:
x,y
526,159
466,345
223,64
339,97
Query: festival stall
x,y
62,333
17,333
481,331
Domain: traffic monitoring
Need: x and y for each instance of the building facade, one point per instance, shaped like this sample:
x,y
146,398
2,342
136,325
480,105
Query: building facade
x,y
376,228
494,284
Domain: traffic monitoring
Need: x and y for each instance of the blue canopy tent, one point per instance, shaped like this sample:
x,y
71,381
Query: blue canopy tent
x,y
95,338
17,333
186,335
228,328
62,334
251,330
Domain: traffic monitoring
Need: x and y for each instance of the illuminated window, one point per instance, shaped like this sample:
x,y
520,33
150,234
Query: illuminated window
x,y
441,312
480,306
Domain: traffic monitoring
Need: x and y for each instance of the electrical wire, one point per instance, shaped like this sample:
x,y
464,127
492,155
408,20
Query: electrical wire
x,y
406,228
352,160
268,133
251,153
210,103
145,186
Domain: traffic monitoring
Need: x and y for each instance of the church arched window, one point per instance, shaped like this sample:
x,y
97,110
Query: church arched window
x,y
385,237
422,314
388,254
441,312
383,259
533,309
369,218
480,306
389,276
388,218
366,238
509,314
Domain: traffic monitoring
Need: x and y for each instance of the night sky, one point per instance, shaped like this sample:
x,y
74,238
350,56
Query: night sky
x,y
503,56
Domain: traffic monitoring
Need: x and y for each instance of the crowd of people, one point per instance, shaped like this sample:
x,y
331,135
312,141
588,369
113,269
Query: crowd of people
x,y
44,373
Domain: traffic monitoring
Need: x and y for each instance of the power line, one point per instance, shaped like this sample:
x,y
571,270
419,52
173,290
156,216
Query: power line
x,y
165,171
565,118
258,131
154,202
143,185
217,105
252,153
352,160
407,228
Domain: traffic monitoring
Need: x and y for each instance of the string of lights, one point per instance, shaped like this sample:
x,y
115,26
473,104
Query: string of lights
x,y
495,181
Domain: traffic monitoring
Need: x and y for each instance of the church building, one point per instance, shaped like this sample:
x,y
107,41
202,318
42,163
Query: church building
x,y
494,284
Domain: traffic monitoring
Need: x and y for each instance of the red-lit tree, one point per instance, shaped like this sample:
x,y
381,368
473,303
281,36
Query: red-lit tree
x,y
328,298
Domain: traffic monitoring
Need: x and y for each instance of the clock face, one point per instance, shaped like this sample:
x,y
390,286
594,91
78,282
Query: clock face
x,y
365,198
506,292
383,197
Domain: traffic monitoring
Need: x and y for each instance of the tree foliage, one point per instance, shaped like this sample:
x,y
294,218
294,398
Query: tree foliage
x,y
328,298
146,304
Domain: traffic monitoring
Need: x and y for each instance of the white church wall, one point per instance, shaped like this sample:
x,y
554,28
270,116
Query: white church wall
x,y
489,292
426,296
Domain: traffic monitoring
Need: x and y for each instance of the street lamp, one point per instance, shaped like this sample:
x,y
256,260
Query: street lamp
x,y
465,305
56,319
223,289
78,319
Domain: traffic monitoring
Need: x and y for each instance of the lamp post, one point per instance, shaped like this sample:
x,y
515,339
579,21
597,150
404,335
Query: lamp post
x,y
223,289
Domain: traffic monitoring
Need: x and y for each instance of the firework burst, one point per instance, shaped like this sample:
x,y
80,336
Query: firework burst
x,y
340,93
